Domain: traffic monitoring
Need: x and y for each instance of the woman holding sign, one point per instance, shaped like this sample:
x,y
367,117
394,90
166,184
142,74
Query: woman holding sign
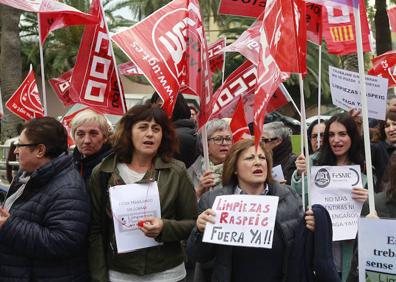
x,y
341,146
143,143
247,171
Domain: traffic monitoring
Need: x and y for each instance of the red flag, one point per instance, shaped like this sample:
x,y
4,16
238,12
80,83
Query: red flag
x,y
53,14
242,7
94,79
238,125
216,55
314,23
129,69
385,66
339,29
169,46
25,102
61,86
392,18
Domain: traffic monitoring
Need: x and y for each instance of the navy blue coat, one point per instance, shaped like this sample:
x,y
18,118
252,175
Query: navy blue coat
x,y
44,239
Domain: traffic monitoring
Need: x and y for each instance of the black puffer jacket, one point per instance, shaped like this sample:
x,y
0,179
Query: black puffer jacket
x,y
44,239
186,132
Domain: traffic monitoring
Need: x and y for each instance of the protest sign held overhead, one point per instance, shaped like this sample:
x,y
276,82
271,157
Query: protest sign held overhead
x,y
61,86
25,102
384,66
244,8
332,188
243,220
345,92
94,80
377,258
170,48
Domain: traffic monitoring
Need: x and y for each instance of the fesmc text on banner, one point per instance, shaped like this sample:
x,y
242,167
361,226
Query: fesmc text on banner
x,y
25,102
61,86
339,28
243,220
377,250
94,81
170,48
345,92
384,66
242,7
331,187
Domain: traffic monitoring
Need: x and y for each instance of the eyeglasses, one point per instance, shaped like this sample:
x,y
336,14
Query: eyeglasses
x,y
220,139
315,135
25,145
267,140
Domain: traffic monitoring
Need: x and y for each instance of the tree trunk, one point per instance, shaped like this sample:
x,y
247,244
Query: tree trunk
x,y
10,66
382,30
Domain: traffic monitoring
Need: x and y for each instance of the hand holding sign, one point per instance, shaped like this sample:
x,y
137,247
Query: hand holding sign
x,y
359,194
151,226
205,217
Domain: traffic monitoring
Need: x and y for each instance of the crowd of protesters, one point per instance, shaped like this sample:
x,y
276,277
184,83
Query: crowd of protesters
x,y
56,223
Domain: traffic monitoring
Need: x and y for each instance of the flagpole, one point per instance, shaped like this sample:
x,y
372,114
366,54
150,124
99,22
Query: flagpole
x,y
205,147
224,60
319,88
363,100
122,95
42,69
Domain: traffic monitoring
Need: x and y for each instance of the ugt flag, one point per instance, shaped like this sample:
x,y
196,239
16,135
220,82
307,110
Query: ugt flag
x,y
170,48
25,102
94,80
385,66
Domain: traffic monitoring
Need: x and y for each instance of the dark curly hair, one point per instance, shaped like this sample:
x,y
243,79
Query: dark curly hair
x,y
122,137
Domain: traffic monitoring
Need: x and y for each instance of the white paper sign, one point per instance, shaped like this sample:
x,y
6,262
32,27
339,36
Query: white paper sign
x,y
277,173
345,92
243,220
377,250
129,204
331,187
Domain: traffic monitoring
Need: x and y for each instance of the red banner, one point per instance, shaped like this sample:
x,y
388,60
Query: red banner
x,y
169,46
314,23
339,29
238,124
61,86
385,66
216,55
129,69
94,80
25,102
245,8
392,18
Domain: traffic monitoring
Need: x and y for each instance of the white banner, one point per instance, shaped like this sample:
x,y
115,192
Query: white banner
x,y
331,187
377,250
243,220
345,92
129,204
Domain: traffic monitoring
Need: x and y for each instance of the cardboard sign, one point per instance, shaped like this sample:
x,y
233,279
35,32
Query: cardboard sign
x,y
245,8
331,187
345,92
243,220
377,250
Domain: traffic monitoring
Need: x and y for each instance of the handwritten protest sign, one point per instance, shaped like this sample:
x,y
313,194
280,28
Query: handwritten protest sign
x,y
331,187
277,173
243,220
377,258
129,204
345,92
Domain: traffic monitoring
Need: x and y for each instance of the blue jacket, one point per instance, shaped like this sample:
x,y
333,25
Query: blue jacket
x,y
45,237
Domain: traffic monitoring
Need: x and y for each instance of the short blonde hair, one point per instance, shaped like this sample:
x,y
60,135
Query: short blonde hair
x,y
89,115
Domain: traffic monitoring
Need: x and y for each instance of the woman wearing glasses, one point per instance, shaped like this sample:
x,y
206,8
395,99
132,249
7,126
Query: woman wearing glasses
x,y
45,219
219,143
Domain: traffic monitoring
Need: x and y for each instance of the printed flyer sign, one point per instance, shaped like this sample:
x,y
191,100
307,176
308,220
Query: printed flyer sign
x,y
129,204
345,92
277,173
331,187
377,258
243,220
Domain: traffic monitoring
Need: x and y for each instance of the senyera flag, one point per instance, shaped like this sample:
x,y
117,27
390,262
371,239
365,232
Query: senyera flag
x,y
314,23
238,124
170,48
339,29
61,86
216,54
94,80
392,18
25,102
53,14
245,8
385,66
129,69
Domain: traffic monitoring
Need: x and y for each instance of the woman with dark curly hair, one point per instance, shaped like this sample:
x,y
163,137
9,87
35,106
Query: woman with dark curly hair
x,y
144,142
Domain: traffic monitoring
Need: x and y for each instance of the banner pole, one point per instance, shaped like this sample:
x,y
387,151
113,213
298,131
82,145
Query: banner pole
x,y
42,69
205,147
122,94
224,60
319,88
363,100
